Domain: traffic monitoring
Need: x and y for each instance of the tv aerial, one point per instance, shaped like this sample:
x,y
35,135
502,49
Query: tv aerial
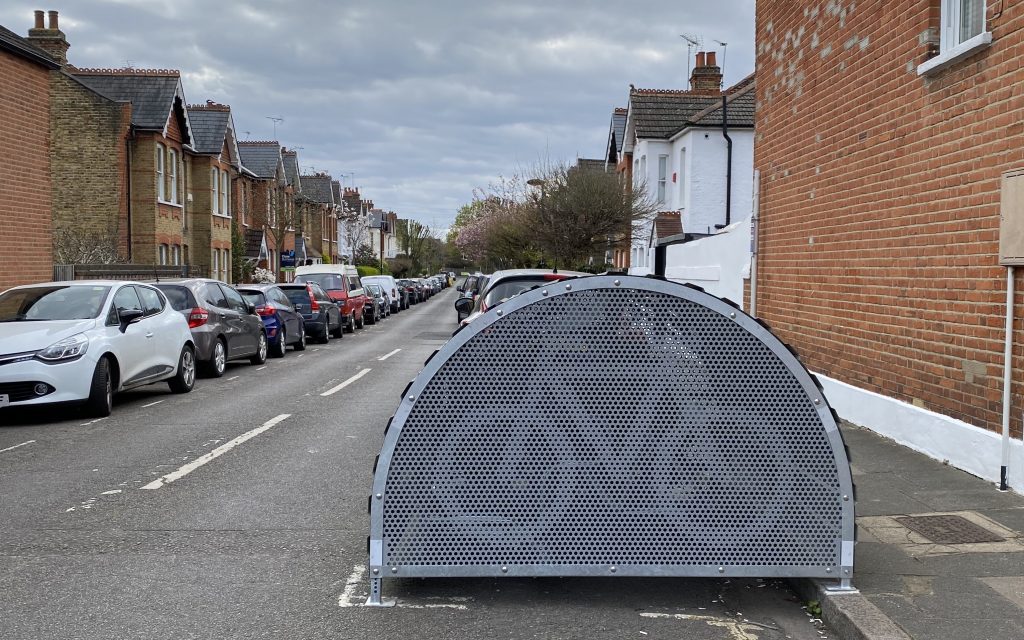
x,y
693,41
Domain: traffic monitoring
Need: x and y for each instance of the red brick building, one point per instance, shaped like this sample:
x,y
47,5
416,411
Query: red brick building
x,y
25,195
883,131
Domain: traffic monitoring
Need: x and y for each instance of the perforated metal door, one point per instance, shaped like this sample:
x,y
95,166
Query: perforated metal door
x,y
613,425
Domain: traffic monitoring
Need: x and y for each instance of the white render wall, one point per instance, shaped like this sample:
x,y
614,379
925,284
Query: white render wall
x,y
720,263
699,191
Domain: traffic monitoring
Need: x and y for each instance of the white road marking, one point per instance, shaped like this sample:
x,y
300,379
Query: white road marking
x,y
151,404
261,368
388,355
300,355
738,629
349,597
234,378
111,492
355,596
216,453
341,386
17,445
86,424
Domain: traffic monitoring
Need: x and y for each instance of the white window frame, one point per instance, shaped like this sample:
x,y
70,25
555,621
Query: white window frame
x,y
161,185
225,195
662,178
214,194
951,48
176,255
172,175
163,254
643,170
215,271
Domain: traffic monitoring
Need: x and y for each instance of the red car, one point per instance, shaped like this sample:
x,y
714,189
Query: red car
x,y
341,282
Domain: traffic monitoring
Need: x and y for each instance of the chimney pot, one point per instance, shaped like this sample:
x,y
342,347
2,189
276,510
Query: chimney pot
x,y
700,59
711,59
53,20
39,20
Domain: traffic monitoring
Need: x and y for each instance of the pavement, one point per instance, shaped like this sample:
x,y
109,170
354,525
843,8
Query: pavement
x,y
909,585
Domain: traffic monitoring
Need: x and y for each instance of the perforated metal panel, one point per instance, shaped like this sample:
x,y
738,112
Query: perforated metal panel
x,y
613,425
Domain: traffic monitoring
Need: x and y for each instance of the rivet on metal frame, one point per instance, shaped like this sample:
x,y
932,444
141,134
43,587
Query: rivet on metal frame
x,y
846,498
617,283
721,569
568,287
504,569
380,495
376,571
500,312
394,569
817,401
828,569
732,315
412,397
612,569
544,293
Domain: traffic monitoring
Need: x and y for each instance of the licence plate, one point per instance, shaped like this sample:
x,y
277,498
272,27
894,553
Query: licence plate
x,y
4,400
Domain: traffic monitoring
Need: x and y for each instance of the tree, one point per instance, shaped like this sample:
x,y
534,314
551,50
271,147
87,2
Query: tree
x,y
365,256
576,215
241,267
73,246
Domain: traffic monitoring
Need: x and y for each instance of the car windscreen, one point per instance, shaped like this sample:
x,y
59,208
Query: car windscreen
x,y
256,298
327,281
296,295
179,296
52,302
505,289
374,289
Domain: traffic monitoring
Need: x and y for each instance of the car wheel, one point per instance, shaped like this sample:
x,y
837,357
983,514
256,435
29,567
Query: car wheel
x,y
300,345
340,331
359,322
185,378
350,323
101,391
371,320
218,362
282,343
261,350
325,337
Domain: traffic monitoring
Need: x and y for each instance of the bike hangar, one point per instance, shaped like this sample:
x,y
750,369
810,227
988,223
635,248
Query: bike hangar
x,y
612,425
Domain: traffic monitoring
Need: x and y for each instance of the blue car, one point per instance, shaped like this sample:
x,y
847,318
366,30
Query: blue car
x,y
283,324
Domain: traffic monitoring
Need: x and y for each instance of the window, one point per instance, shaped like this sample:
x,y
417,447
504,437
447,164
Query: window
x,y
662,177
214,191
215,270
235,300
172,174
225,264
163,254
643,169
961,21
682,178
215,296
225,200
962,34
161,185
176,255
151,301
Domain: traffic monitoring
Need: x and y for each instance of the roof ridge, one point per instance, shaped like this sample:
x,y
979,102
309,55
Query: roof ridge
x,y
124,71
259,142
209,106
672,92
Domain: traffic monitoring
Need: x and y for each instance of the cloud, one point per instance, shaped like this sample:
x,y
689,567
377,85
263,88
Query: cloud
x,y
421,101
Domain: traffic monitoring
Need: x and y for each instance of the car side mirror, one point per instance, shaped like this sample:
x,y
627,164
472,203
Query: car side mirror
x,y
464,306
250,308
128,316
459,289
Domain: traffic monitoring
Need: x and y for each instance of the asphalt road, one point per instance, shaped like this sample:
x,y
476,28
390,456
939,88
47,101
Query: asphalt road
x,y
111,529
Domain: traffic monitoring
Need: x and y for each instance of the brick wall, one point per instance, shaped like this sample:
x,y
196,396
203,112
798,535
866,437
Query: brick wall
x,y
880,199
25,197
88,157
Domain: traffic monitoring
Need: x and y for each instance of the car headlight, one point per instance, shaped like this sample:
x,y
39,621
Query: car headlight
x,y
67,349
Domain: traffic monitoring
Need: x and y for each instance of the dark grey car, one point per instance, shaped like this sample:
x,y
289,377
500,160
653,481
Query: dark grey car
x,y
224,325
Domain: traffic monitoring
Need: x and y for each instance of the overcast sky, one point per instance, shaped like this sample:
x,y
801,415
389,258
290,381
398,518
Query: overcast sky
x,y
415,101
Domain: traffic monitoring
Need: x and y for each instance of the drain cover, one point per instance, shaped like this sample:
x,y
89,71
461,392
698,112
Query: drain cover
x,y
948,529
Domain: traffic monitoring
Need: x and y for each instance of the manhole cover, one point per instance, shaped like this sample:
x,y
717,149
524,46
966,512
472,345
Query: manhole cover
x,y
948,529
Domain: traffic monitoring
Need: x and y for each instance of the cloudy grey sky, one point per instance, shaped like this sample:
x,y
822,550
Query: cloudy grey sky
x,y
416,101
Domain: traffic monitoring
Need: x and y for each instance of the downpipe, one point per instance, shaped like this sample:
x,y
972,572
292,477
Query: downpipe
x,y
1007,370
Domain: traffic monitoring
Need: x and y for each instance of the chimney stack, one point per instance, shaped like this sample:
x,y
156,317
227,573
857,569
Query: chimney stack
x,y
50,38
707,76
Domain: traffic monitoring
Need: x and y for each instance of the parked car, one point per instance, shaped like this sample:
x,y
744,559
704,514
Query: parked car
x,y
502,285
380,299
469,288
321,315
412,290
398,296
224,326
341,282
283,324
84,341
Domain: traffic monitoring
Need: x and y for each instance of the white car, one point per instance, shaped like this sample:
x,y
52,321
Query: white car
x,y
83,341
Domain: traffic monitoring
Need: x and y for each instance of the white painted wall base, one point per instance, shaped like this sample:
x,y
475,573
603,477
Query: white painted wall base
x,y
962,445
719,263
